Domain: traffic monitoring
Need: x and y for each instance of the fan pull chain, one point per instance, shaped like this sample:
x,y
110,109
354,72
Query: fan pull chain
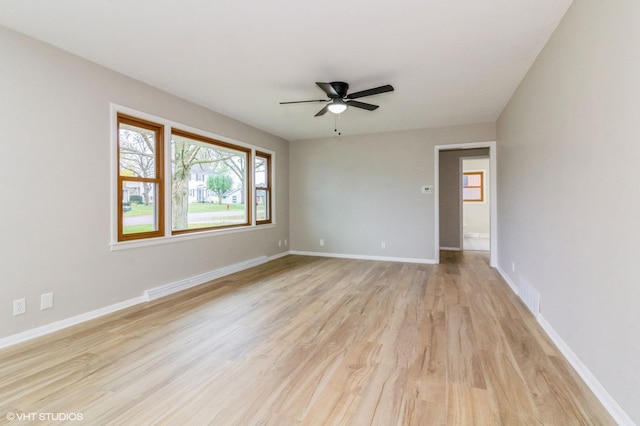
x,y
335,123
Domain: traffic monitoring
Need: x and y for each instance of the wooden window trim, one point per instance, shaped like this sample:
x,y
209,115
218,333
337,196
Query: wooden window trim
x,y
162,130
205,139
481,187
158,180
215,142
268,187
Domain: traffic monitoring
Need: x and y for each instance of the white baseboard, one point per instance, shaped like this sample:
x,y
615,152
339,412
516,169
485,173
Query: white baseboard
x,y
476,235
596,387
278,256
174,287
67,322
365,257
150,294
506,277
451,248
590,380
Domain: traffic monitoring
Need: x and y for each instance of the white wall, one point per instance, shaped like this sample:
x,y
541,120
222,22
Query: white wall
x,y
356,192
569,199
55,181
476,215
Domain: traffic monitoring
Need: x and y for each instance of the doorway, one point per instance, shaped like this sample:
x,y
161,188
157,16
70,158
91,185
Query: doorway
x,y
476,214
452,219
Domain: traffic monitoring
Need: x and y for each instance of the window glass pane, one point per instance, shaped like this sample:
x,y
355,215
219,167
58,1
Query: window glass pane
x,y
137,151
474,180
472,194
261,172
139,207
262,204
208,184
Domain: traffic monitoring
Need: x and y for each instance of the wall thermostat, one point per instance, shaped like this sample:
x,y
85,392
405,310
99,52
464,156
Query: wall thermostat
x,y
427,189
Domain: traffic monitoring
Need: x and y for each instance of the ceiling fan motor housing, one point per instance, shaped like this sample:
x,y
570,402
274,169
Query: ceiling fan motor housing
x,y
341,89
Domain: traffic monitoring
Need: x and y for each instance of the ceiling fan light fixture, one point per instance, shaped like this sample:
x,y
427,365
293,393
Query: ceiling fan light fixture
x,y
337,106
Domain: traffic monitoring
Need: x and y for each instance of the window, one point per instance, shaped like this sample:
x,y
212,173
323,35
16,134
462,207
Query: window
x,y
473,186
221,170
262,169
205,183
140,166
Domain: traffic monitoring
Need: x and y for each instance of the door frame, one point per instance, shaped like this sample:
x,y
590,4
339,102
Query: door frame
x,y
493,205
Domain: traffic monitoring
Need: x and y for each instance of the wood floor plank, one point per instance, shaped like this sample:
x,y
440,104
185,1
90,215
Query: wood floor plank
x,y
310,341
463,362
470,406
512,397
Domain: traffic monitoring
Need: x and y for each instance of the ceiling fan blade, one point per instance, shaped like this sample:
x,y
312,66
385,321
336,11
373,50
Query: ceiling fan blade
x,y
370,92
303,102
323,111
328,89
362,105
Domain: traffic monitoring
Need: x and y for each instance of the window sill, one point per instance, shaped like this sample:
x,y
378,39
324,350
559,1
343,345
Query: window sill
x,y
124,245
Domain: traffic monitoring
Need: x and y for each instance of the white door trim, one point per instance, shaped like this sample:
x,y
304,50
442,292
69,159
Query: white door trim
x,y
493,204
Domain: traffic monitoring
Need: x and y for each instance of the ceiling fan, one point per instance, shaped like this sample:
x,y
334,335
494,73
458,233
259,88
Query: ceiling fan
x,y
339,100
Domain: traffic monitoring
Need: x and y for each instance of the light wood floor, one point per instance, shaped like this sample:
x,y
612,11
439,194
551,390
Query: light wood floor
x,y
307,340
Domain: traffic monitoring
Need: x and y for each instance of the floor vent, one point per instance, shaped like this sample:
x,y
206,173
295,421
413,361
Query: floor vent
x,y
530,296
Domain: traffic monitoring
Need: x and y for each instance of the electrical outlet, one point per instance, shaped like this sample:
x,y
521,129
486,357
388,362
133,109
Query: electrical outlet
x,y
46,301
383,245
321,242
513,266
286,242
19,307
279,243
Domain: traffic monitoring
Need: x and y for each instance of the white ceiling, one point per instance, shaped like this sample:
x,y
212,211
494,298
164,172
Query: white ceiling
x,y
450,61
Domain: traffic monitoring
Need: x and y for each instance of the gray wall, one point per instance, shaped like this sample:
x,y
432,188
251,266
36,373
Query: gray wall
x,y
358,191
569,200
55,178
450,194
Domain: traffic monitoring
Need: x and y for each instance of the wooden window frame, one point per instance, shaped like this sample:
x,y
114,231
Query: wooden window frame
x,y
268,187
248,177
481,187
163,130
158,180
